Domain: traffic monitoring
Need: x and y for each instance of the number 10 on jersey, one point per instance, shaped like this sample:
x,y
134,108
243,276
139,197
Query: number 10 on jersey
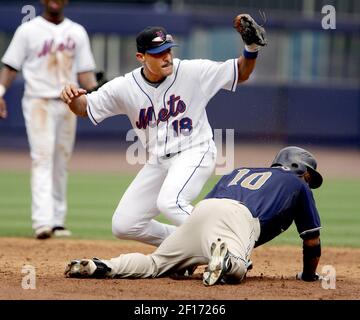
x,y
252,182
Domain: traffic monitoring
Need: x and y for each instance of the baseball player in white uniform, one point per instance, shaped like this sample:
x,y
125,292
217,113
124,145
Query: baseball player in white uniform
x,y
51,50
165,100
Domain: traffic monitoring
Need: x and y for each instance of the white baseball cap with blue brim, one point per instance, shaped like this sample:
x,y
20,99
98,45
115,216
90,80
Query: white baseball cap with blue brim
x,y
154,40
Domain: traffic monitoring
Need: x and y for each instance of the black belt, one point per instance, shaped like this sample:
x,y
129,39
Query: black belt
x,y
170,155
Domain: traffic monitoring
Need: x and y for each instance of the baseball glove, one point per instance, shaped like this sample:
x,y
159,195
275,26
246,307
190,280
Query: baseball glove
x,y
249,30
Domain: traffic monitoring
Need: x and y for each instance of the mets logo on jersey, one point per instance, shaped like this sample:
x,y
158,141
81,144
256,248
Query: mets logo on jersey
x,y
50,47
176,107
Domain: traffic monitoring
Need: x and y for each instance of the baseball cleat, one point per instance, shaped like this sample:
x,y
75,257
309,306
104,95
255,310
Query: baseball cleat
x,y
218,265
43,232
61,232
87,268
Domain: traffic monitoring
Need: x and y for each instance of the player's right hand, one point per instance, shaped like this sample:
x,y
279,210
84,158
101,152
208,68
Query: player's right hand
x,y
71,92
3,109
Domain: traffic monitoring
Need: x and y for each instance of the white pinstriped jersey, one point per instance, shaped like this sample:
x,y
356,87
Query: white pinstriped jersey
x,y
172,116
50,55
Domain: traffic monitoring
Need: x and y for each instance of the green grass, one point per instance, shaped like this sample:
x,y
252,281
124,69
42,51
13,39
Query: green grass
x,y
338,202
93,199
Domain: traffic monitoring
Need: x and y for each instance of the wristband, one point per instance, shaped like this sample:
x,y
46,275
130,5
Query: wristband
x,y
2,90
252,47
250,55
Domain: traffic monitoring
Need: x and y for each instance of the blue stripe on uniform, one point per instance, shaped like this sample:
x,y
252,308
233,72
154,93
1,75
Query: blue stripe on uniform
x,y
176,73
233,85
144,92
177,198
167,122
91,115
154,112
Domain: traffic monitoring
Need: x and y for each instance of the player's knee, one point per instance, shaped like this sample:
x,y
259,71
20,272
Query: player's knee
x,y
120,229
125,229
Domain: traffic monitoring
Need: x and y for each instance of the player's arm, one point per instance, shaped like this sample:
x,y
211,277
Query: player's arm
x,y
7,76
92,82
87,80
311,257
253,36
75,98
245,68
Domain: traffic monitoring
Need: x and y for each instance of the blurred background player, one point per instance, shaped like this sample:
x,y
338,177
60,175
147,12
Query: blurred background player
x,y
51,50
165,100
246,208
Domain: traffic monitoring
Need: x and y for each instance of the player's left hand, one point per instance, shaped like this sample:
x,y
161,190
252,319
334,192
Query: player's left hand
x,y
251,33
308,278
71,92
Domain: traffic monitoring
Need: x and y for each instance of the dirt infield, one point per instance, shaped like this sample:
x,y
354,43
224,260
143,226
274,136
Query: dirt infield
x,y
271,278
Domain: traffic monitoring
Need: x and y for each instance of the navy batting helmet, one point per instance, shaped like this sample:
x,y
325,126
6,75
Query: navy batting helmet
x,y
299,161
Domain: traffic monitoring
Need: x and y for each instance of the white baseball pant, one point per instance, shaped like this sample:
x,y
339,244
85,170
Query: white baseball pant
x,y
51,128
190,244
167,186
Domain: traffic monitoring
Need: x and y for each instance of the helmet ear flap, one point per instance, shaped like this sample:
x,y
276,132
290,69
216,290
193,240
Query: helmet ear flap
x,y
297,167
301,168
